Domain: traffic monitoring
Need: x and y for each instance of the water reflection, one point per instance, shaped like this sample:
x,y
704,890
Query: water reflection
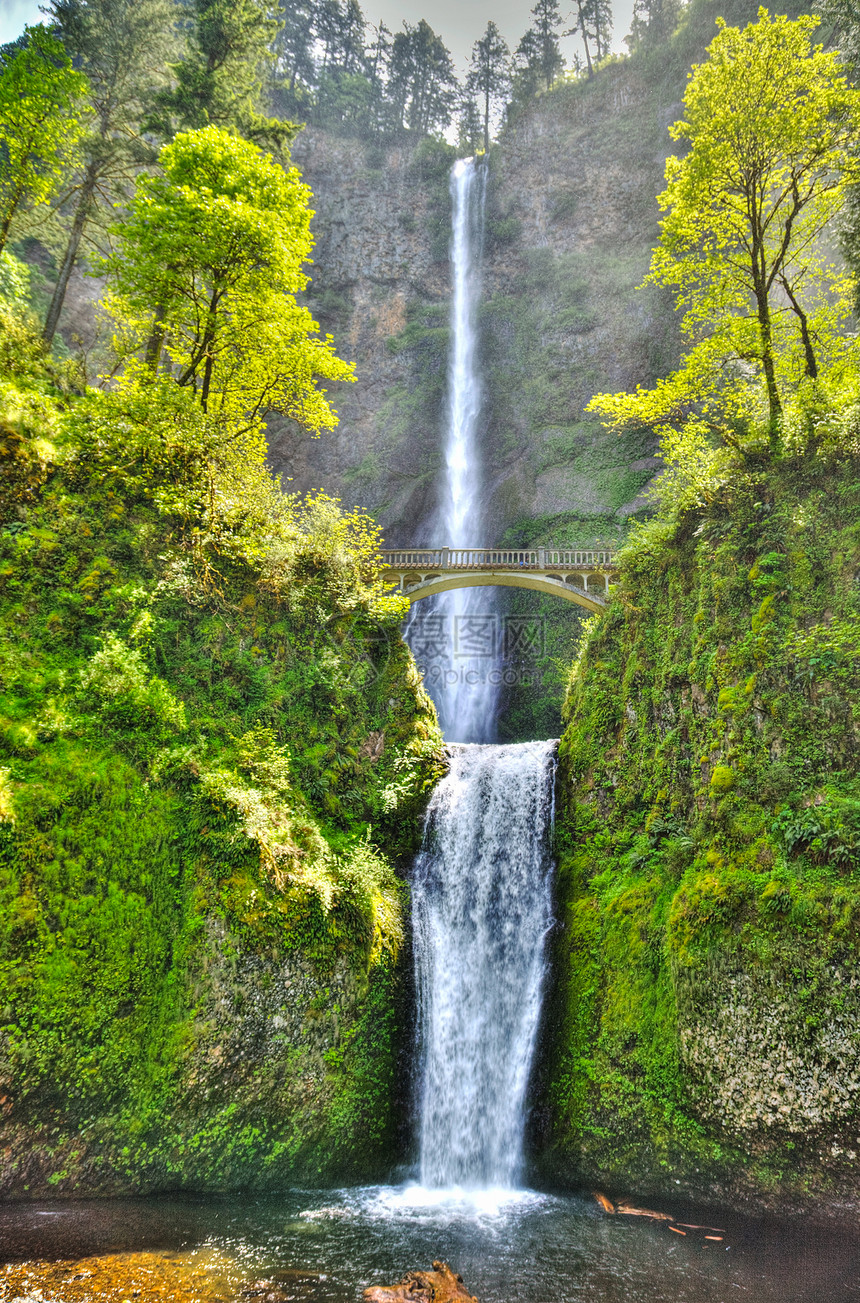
x,y
510,1247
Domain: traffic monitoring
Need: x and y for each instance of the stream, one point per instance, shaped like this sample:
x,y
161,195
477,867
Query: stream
x,y
327,1246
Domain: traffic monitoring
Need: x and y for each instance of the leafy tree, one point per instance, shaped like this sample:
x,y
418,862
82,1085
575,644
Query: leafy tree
x,y
770,124
539,54
488,80
124,47
422,83
219,81
42,115
204,279
844,19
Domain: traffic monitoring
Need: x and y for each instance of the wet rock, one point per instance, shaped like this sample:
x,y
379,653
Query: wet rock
x,y
441,1285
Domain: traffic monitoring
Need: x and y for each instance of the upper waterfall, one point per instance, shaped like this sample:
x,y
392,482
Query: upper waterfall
x,y
459,522
465,687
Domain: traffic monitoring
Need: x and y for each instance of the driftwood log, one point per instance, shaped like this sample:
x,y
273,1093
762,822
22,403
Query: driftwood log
x,y
441,1285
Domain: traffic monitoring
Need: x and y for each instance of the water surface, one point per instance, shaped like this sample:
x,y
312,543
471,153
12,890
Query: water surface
x,y
510,1247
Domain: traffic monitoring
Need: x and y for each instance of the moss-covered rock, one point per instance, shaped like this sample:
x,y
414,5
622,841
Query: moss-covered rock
x,y
706,1002
214,752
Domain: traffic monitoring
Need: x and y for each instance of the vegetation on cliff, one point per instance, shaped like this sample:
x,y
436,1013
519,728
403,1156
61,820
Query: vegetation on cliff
x,y
214,743
709,879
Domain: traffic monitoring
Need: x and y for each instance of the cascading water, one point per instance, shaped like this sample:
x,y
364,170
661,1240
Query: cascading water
x,y
481,912
481,885
460,517
464,687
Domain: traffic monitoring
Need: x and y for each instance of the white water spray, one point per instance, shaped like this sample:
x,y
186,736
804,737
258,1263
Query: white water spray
x,y
481,886
465,689
481,913
461,514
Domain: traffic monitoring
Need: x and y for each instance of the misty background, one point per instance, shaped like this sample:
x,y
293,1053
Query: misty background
x,y
459,25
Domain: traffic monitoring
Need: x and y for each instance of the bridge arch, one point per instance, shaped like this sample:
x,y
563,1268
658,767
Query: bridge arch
x,y
421,572
540,583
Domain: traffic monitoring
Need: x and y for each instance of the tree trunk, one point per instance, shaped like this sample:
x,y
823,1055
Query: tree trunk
x,y
10,213
155,343
207,346
760,288
71,255
773,400
806,338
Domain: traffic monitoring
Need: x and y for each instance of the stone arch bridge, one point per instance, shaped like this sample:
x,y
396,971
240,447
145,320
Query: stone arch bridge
x,y
580,577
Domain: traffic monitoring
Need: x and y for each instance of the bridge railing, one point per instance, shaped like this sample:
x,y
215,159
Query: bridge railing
x,y
480,558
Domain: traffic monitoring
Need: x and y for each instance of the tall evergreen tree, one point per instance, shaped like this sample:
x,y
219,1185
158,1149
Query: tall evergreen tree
x,y
603,24
593,24
539,54
294,47
470,129
378,58
653,21
527,78
220,80
422,81
351,43
344,90
124,47
488,80
328,21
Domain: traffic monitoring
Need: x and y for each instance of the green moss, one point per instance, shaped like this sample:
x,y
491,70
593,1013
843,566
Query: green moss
x,y
214,750
709,837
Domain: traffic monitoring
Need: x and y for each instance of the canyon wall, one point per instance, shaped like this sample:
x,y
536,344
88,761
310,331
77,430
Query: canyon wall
x,y
571,219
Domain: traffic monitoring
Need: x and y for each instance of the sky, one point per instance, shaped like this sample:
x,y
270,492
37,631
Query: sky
x,y
459,22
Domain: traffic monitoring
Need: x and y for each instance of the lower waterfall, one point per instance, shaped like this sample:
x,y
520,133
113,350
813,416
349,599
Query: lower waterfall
x,y
481,894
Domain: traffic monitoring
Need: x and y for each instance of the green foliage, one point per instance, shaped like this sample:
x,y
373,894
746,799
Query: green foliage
x,y
123,47
14,280
213,745
207,267
709,823
488,79
41,123
135,705
746,207
219,82
538,60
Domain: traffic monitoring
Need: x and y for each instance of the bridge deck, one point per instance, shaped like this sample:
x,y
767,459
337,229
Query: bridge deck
x,y
481,558
423,572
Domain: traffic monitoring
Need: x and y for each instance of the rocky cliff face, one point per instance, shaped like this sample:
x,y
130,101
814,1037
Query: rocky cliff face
x,y
571,220
381,232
